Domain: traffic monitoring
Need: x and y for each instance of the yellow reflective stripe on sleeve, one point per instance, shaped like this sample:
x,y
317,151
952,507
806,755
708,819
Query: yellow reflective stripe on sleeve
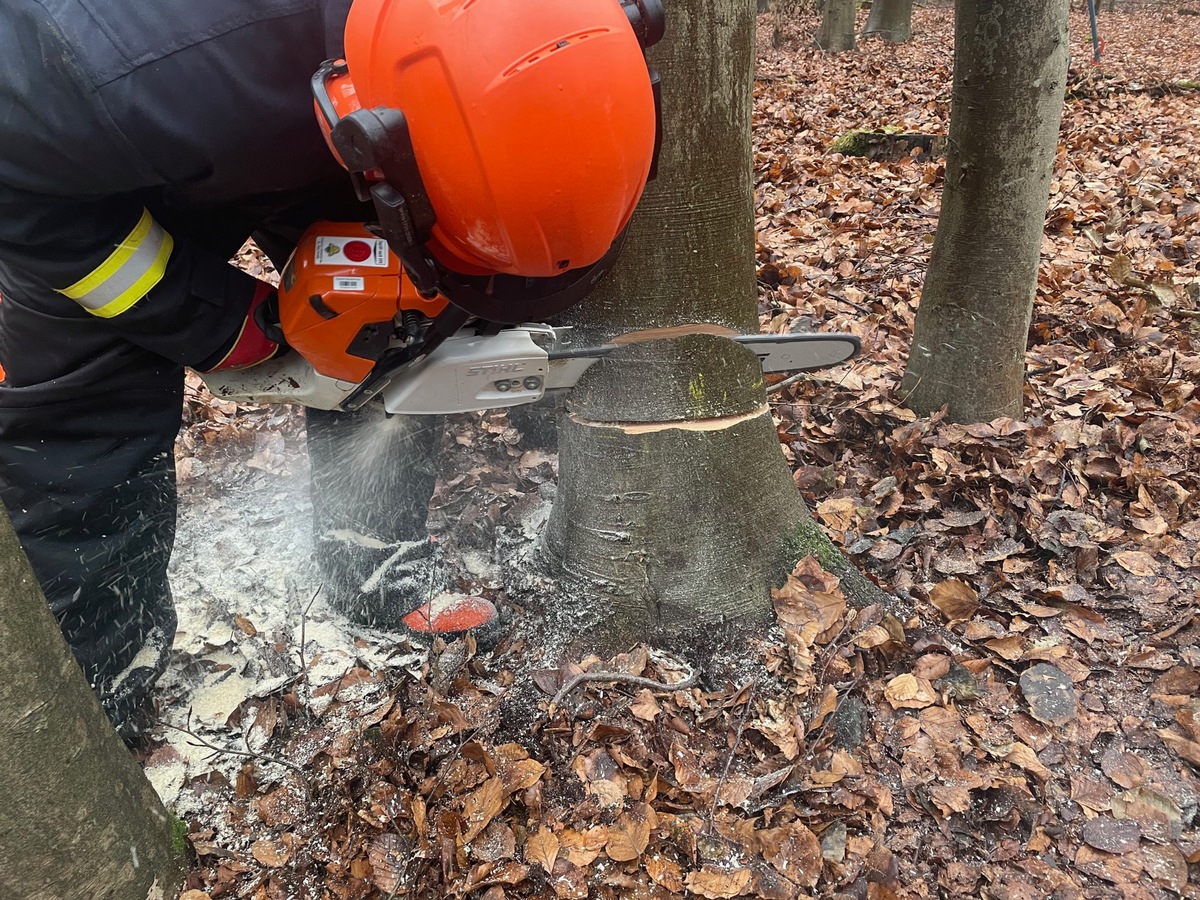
x,y
140,288
131,270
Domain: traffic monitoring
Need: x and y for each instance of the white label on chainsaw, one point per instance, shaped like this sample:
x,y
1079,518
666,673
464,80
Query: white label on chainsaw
x,y
352,251
342,283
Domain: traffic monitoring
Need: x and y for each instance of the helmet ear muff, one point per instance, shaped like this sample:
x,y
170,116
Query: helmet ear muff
x,y
379,140
648,20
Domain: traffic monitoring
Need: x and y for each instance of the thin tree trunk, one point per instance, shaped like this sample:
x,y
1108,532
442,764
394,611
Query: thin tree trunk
x,y
79,820
675,510
837,26
890,20
968,352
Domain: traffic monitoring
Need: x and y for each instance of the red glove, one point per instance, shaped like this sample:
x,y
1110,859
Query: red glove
x,y
260,337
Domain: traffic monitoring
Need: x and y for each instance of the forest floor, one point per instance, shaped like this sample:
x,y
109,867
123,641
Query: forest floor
x,y
1029,727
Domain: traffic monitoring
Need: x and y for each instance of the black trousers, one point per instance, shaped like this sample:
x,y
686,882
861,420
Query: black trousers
x,y
87,473
87,429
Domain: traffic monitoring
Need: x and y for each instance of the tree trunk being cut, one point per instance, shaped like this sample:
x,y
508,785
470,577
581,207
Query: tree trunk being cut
x,y
675,510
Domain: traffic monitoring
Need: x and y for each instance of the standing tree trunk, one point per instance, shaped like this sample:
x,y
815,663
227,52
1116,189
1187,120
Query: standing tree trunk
x,y
675,509
837,26
890,20
968,351
80,821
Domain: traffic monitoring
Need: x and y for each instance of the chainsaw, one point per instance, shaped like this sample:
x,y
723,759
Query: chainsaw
x,y
358,329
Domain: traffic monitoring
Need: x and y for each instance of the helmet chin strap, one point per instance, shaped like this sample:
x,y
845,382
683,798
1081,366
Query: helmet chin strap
x,y
512,300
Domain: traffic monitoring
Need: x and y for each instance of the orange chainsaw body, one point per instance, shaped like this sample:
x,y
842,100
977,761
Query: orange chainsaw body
x,y
339,296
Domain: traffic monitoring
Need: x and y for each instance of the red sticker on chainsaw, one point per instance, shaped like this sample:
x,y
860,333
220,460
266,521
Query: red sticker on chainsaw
x,y
352,251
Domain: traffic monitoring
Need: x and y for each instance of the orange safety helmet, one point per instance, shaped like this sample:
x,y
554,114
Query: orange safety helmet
x,y
498,138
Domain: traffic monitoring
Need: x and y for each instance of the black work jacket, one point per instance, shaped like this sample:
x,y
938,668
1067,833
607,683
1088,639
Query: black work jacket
x,y
120,121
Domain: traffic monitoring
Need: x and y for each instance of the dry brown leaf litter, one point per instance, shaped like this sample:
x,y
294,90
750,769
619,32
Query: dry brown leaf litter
x,y
1031,729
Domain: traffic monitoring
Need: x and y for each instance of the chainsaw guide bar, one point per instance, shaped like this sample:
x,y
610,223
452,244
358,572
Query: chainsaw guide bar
x,y
468,372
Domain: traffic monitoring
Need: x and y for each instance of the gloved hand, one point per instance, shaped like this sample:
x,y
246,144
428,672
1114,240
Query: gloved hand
x,y
260,337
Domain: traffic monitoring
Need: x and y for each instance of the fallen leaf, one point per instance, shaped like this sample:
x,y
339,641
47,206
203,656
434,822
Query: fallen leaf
x,y
1136,562
542,848
645,706
582,848
838,513
1166,865
1050,694
955,599
1022,755
1121,270
1112,835
1182,747
1125,769
569,881
907,691
716,883
667,873
1156,814
629,835
387,854
795,853
481,806
1118,869
1009,648
272,853
495,844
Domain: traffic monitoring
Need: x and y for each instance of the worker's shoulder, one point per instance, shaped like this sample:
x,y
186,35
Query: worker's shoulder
x,y
111,38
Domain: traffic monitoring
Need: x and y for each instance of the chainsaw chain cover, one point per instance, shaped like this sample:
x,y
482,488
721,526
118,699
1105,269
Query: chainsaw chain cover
x,y
472,372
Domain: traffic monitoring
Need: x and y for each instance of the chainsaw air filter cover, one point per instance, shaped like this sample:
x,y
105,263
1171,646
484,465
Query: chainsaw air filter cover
x,y
533,122
339,298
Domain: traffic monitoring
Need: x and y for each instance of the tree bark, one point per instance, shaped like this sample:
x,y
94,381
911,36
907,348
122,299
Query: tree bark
x,y
80,821
674,495
968,352
675,509
837,26
890,20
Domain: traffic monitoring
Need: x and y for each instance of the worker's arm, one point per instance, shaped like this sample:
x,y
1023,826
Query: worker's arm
x,y
158,290
72,227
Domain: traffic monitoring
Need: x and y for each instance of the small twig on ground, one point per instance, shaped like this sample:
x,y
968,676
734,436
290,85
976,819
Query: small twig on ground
x,y
843,696
692,679
737,742
787,382
249,754
434,560
464,737
303,646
